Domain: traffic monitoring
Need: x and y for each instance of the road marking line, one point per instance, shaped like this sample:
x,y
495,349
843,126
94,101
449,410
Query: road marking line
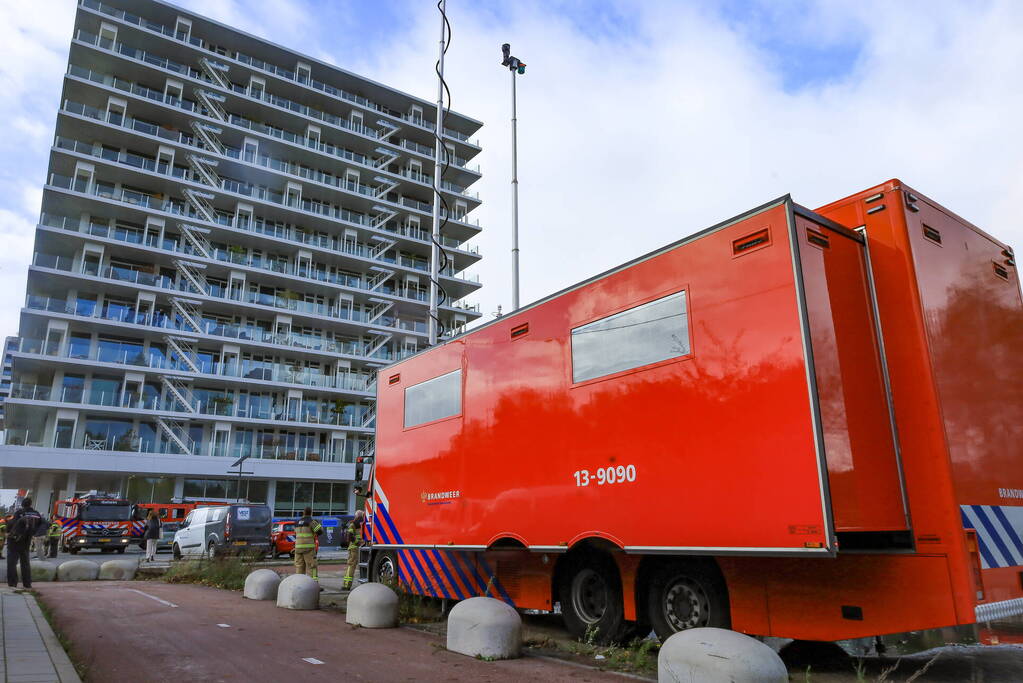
x,y
151,597
224,625
311,660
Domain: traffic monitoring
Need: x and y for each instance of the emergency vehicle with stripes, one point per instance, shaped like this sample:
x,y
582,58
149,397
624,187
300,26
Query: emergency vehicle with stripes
x,y
802,424
96,521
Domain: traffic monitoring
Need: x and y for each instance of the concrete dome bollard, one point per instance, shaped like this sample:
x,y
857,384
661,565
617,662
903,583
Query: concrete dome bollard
x,y
372,605
118,570
41,571
485,627
261,584
298,591
77,570
716,655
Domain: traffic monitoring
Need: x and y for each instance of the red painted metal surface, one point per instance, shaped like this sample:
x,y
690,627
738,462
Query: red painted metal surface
x,y
704,432
735,457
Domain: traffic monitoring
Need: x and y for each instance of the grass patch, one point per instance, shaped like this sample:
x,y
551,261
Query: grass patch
x,y
81,668
637,657
414,608
223,572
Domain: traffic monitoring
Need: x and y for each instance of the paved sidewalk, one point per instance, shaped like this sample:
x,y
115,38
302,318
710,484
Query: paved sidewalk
x,y
31,652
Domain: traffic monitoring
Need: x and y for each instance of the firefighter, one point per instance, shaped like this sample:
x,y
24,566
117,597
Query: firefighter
x,y
354,541
53,536
3,535
306,531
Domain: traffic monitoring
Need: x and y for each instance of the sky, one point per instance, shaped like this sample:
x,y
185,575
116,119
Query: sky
x,y
639,122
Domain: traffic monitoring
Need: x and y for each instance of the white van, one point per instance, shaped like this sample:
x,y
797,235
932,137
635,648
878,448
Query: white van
x,y
214,531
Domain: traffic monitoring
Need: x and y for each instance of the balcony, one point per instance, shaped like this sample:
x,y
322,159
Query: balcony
x,y
289,302
274,70
226,332
323,416
133,443
279,373
256,225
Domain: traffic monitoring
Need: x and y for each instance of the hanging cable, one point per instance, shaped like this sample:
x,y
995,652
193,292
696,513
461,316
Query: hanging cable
x,y
439,173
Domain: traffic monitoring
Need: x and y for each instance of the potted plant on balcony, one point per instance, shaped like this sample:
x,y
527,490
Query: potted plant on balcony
x,y
237,253
222,404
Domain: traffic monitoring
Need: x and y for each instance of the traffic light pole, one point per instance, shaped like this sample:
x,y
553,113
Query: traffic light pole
x,y
515,199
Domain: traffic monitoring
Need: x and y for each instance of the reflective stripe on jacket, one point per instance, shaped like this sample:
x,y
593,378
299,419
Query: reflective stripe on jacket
x,y
54,530
306,531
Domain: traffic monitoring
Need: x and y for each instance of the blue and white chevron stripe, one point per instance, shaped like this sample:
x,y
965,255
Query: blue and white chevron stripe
x,y
999,533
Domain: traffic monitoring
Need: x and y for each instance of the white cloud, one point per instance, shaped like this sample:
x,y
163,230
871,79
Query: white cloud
x,y
629,141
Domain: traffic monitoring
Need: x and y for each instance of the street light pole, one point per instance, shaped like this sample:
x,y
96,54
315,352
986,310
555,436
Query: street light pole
x,y
516,66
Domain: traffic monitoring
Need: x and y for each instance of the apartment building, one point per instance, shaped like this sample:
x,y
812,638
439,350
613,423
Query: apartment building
x,y
233,237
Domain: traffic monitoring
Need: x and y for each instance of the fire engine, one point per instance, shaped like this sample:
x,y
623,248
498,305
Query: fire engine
x,y
96,520
795,423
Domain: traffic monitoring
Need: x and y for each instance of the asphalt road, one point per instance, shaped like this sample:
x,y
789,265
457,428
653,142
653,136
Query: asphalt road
x,y
152,631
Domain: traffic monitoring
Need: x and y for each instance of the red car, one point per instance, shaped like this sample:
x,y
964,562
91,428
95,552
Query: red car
x,y
282,538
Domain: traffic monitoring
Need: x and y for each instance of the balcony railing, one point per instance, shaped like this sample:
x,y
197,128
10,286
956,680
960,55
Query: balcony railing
x,y
212,328
135,444
273,69
256,225
216,291
280,373
323,416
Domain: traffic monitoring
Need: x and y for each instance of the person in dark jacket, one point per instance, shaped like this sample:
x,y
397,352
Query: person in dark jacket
x,y
153,527
19,541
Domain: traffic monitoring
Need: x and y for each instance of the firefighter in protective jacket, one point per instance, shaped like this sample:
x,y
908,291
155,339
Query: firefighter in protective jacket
x,y
354,541
53,537
306,531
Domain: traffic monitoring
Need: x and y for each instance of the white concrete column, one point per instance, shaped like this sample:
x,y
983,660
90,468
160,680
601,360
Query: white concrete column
x,y
179,487
271,494
43,494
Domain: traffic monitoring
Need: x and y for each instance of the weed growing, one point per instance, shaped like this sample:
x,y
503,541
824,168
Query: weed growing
x,y
225,572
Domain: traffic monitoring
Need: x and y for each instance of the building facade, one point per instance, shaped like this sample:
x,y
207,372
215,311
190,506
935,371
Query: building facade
x,y
233,237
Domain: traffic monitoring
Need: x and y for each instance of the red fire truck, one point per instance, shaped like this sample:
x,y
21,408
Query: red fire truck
x,y
96,520
794,423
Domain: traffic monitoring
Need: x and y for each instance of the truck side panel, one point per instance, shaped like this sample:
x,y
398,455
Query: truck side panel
x,y
850,596
970,294
936,521
721,439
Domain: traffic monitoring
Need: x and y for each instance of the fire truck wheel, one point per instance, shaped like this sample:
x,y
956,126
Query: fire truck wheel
x,y
73,551
384,568
121,550
686,595
590,591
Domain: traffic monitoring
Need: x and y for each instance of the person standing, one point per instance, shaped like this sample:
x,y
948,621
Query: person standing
x,y
39,538
3,535
53,537
306,531
153,527
19,541
354,542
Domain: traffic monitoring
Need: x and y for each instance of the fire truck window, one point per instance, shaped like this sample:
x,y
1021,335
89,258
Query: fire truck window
x,y
649,333
434,399
179,513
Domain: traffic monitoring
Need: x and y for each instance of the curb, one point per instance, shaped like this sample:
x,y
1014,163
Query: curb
x,y
61,662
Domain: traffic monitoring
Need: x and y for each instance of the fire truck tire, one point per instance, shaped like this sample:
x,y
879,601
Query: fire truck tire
x,y
73,551
384,568
121,550
590,591
684,595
